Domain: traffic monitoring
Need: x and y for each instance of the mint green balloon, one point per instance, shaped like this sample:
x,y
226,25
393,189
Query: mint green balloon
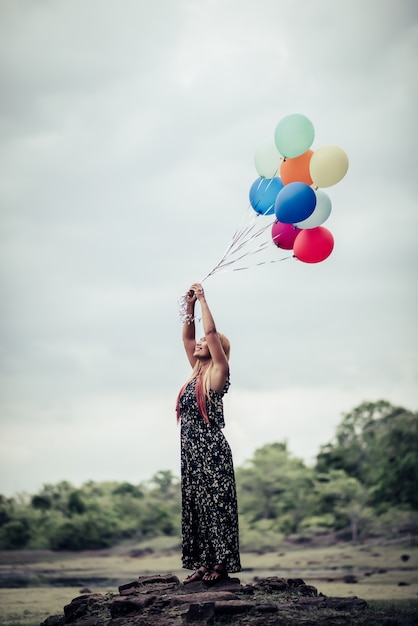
x,y
294,135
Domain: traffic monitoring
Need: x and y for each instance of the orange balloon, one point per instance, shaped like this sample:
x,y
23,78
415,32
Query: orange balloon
x,y
297,169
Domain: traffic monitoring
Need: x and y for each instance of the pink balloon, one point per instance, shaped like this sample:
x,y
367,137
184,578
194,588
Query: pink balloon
x,y
284,235
313,245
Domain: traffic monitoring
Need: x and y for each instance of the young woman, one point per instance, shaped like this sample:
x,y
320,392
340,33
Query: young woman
x,y
209,504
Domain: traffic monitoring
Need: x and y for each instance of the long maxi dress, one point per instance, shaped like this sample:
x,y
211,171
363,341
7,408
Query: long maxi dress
x,y
209,501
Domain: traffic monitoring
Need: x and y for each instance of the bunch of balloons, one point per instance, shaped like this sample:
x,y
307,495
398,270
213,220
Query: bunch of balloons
x,y
291,178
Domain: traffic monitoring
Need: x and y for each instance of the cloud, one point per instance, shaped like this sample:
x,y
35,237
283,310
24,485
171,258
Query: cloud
x,y
128,136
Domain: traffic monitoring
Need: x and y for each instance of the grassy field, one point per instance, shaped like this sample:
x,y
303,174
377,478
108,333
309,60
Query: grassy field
x,y
29,607
382,574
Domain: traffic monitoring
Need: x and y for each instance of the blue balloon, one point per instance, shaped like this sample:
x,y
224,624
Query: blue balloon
x,y
263,194
295,202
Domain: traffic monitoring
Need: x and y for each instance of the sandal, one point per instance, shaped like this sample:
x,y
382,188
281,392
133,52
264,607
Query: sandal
x,y
215,576
197,575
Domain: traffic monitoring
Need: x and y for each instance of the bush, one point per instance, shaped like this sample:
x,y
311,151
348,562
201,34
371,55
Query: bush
x,y
85,533
258,536
318,524
15,535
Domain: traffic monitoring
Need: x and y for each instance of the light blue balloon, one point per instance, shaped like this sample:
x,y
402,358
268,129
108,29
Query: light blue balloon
x,y
295,202
294,135
263,194
321,212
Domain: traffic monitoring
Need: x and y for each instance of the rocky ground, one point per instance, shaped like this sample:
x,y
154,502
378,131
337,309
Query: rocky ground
x,y
163,600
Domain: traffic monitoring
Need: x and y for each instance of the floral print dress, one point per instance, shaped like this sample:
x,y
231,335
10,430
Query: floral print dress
x,y
209,502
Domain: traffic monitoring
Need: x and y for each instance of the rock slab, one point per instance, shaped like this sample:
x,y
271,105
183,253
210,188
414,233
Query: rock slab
x,y
164,601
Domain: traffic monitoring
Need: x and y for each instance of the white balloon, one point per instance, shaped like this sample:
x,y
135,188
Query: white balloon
x,y
267,159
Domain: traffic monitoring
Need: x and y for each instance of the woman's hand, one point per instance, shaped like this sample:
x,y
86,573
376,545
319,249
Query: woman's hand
x,y
190,296
197,290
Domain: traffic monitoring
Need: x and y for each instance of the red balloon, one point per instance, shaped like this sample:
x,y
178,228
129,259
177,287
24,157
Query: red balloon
x,y
313,245
284,235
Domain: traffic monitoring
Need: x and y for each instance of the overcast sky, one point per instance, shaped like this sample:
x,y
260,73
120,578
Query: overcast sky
x,y
128,133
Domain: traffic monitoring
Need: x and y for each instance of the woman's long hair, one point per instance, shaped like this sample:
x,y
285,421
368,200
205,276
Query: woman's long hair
x,y
203,381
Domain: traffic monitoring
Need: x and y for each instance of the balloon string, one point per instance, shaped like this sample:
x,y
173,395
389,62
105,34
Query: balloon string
x,y
236,236
236,245
220,268
240,238
247,267
239,234
243,236
244,230
261,246
226,264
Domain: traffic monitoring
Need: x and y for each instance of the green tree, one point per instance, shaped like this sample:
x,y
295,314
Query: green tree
x,y
345,499
86,532
377,444
4,510
41,502
353,439
166,483
15,534
275,486
396,476
133,491
59,496
76,503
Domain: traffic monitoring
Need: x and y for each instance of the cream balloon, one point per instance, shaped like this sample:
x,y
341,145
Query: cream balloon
x,y
267,159
328,165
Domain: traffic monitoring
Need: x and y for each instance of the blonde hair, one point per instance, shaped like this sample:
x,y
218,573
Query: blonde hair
x,y
203,381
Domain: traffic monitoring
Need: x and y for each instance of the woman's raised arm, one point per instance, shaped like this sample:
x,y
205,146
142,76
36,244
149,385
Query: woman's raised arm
x,y
189,329
220,366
